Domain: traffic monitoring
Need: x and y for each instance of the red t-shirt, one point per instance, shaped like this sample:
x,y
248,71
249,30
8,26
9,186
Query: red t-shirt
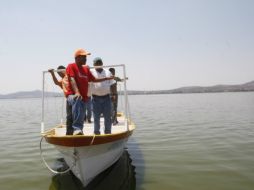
x,y
82,76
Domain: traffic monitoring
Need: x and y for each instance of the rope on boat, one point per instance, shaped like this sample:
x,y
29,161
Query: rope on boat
x,y
91,143
52,170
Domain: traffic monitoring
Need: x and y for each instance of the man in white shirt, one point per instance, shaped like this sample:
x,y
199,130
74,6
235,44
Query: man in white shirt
x,y
101,97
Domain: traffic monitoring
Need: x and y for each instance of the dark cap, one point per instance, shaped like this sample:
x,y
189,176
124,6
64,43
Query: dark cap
x,y
97,60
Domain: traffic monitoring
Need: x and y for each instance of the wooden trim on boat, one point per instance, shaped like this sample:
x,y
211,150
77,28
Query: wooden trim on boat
x,y
83,140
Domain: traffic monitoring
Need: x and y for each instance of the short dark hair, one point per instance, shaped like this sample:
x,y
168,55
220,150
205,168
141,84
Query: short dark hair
x,y
111,69
60,67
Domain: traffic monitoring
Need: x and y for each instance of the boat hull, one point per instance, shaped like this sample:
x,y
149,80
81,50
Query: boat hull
x,y
86,162
88,155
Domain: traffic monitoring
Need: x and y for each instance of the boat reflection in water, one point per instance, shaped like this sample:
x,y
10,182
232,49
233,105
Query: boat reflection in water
x,y
120,176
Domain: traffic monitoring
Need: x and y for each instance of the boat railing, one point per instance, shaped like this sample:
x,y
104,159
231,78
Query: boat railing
x,y
124,92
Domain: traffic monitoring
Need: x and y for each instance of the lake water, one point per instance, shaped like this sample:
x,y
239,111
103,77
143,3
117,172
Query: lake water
x,y
182,142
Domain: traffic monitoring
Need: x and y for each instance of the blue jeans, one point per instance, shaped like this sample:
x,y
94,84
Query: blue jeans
x,y
78,112
102,105
69,129
88,109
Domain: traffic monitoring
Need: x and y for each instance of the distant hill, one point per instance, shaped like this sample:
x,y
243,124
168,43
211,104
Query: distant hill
x,y
249,86
29,94
201,89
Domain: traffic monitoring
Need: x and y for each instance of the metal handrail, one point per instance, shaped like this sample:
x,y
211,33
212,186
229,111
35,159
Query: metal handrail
x,y
126,106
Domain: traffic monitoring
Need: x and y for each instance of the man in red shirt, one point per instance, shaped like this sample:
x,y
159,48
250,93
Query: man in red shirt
x,y
79,75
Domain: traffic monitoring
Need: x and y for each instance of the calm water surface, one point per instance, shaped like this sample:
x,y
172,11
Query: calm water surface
x,y
182,142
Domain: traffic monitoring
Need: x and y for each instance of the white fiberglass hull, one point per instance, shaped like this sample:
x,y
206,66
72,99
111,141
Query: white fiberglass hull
x,y
86,162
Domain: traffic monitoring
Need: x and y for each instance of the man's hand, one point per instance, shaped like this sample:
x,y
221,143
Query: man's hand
x,y
51,71
113,98
77,96
110,78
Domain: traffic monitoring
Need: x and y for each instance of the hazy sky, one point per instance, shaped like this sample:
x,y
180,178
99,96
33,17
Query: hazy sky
x,y
165,44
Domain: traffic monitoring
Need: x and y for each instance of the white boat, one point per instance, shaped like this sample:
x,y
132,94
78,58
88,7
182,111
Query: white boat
x,y
88,155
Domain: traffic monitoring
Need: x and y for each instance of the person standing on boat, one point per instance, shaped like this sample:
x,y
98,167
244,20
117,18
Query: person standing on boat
x,y
114,97
63,84
78,76
101,97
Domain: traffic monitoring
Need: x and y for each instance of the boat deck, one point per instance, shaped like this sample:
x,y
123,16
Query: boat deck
x,y
88,128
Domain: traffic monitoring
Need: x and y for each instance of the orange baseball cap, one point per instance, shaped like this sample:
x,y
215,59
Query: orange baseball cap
x,y
81,52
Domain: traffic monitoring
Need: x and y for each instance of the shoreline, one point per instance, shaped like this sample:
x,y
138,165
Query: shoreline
x,y
129,93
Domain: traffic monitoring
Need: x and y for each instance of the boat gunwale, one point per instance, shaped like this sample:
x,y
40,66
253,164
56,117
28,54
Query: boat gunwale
x,y
85,140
